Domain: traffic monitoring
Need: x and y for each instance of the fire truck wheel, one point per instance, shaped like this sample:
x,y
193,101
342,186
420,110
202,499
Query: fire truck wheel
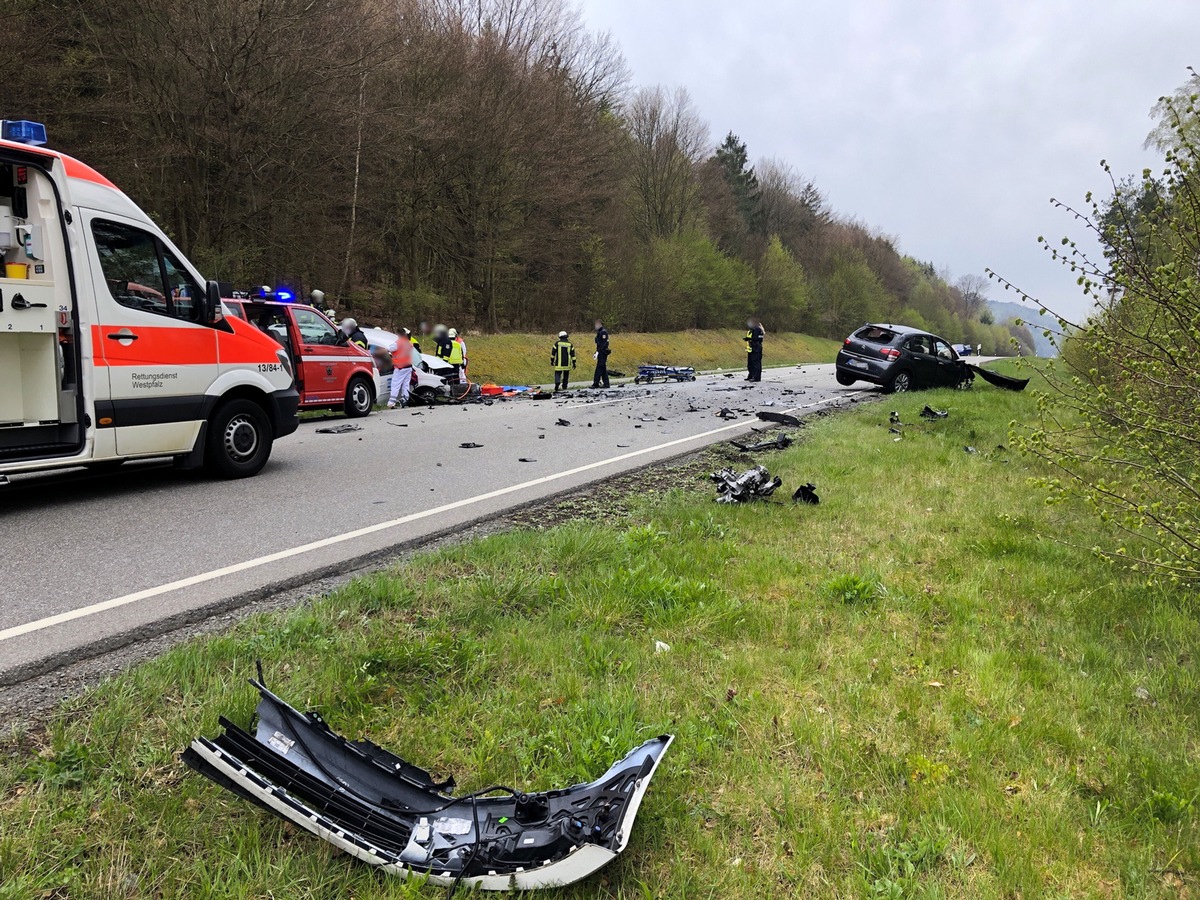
x,y
239,440
359,398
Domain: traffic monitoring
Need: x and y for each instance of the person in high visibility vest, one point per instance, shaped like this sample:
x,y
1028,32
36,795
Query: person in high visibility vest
x,y
562,360
403,358
448,350
754,349
462,345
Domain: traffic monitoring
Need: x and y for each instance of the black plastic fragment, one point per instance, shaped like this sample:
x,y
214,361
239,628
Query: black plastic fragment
x,y
806,493
780,418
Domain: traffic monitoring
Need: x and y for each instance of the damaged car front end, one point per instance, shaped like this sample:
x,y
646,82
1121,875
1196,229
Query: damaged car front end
x,y
389,813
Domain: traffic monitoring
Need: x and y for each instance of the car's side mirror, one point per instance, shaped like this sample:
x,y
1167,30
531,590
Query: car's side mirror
x,y
210,312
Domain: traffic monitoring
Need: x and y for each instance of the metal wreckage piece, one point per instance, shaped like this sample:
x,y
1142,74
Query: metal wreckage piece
x,y
391,814
753,484
780,442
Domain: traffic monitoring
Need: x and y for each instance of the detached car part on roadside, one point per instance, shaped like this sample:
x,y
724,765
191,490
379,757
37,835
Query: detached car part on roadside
x,y
901,359
391,814
753,484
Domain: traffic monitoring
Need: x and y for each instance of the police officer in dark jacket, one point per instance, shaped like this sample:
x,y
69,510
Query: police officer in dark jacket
x,y
754,349
600,379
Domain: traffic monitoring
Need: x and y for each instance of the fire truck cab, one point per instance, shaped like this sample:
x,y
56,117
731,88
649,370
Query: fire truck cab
x,y
111,345
330,373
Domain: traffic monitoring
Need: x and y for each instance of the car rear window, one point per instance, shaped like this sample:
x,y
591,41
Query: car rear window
x,y
875,335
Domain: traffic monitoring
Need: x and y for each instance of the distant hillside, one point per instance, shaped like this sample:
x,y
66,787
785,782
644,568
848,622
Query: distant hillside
x,y
1005,310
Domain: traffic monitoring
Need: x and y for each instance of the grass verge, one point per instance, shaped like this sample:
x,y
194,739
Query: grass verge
x,y
525,358
918,688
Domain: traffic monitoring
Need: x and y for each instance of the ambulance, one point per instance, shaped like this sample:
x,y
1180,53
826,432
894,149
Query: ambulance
x,y
111,345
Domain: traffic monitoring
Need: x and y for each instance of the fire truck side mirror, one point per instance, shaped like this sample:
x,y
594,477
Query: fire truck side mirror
x,y
212,303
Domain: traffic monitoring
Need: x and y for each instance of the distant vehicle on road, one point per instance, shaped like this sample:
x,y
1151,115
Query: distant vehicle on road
x,y
963,349
901,359
330,374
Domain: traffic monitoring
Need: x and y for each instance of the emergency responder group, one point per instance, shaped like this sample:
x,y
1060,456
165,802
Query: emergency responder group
x,y
449,346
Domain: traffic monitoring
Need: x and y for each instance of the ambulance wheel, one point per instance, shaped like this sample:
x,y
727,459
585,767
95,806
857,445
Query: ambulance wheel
x,y
239,440
359,398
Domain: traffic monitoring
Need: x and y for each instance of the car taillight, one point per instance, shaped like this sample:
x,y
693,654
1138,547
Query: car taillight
x,y
889,353
846,342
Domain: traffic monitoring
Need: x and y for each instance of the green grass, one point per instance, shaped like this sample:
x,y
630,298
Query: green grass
x,y
525,358
919,688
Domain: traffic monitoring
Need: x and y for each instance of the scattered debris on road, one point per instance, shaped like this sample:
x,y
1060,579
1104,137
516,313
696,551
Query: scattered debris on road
x,y
340,429
471,445
563,422
389,813
526,459
726,413
753,484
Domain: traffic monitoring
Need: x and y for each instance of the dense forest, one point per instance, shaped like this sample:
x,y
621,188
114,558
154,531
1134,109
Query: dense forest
x,y
485,162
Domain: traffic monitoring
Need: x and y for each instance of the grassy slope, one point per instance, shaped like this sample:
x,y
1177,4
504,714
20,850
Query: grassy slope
x,y
525,358
971,731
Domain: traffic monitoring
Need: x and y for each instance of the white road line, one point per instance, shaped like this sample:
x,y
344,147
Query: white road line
x,y
192,581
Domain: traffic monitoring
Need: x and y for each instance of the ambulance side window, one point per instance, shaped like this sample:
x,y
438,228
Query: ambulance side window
x,y
141,273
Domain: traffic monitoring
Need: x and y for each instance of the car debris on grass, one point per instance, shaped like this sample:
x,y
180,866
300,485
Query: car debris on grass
x,y
753,484
389,813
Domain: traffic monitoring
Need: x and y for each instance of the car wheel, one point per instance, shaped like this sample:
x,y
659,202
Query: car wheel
x,y
637,379
425,395
901,383
239,440
359,398
845,380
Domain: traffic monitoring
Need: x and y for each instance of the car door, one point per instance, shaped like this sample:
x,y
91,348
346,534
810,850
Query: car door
x,y
924,365
949,369
326,363
159,360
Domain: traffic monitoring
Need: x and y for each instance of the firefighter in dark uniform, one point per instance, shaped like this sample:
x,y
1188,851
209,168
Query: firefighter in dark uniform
x,y
754,349
600,379
352,334
562,360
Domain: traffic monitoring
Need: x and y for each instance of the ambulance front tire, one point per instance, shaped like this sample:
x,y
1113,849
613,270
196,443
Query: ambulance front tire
x,y
359,398
239,439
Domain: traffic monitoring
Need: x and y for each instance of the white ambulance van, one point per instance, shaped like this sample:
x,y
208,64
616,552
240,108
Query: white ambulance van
x,y
111,345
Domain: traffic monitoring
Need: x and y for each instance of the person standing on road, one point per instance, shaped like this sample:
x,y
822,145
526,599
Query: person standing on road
x,y
462,346
754,349
600,379
562,360
403,358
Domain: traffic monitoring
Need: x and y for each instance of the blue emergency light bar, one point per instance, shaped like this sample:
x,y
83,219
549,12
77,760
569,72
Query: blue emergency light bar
x,y
22,131
284,295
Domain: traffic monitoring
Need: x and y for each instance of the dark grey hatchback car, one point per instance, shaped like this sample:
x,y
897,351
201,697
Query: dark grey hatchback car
x,y
899,358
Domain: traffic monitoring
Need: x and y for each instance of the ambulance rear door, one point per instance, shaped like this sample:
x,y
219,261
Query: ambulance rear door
x,y
159,358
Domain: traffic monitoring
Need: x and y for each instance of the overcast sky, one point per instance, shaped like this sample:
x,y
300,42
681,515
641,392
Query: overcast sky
x,y
947,124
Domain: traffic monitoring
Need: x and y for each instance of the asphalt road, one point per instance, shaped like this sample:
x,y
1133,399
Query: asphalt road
x,y
96,561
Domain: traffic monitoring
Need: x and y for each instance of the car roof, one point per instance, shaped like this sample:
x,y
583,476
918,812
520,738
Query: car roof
x,y
903,329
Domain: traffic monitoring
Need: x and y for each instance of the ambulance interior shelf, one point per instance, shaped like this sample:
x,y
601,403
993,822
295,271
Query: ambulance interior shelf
x,y
38,345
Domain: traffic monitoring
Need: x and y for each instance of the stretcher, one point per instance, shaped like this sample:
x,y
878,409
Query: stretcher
x,y
651,374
